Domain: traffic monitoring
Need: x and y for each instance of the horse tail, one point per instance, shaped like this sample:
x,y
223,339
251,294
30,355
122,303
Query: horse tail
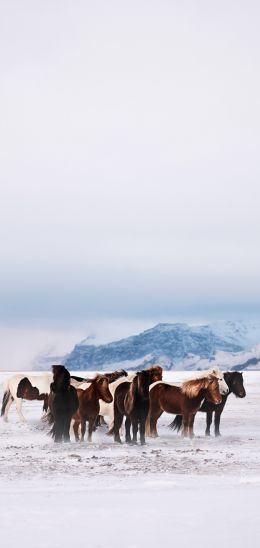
x,y
6,397
52,431
176,424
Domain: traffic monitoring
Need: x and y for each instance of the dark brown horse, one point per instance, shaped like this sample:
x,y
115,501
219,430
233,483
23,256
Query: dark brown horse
x,y
89,405
132,400
184,400
235,384
63,403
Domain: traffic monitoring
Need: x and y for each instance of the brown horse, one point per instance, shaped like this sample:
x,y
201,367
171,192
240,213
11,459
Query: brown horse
x,y
183,400
89,405
132,400
234,380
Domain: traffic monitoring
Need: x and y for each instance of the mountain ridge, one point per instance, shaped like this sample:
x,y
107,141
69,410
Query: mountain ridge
x,y
175,346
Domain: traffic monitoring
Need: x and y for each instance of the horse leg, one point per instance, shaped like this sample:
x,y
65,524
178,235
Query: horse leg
x,y
118,419
153,423
83,429
185,425
135,429
217,423
127,430
76,430
142,429
66,429
191,422
18,403
7,407
45,403
58,429
208,422
91,424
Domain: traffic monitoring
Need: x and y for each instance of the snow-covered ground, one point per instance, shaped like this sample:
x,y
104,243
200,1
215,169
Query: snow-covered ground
x,y
100,495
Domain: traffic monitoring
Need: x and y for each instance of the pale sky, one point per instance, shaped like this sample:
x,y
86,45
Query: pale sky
x,y
129,161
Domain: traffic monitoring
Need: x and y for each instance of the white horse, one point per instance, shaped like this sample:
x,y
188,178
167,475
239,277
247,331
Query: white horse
x,y
41,382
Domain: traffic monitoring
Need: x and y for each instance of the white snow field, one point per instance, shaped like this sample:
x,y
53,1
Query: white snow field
x,y
171,492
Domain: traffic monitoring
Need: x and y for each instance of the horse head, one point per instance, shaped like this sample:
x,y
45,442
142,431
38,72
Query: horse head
x,y
61,378
234,380
223,387
156,372
102,385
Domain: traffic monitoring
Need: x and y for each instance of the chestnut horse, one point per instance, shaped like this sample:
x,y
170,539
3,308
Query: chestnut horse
x,y
183,400
234,380
132,400
88,410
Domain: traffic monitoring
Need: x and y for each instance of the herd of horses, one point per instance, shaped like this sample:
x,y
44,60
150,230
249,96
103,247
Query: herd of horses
x,y
141,397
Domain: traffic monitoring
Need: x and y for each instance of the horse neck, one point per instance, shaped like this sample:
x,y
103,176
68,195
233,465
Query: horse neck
x,y
200,397
91,392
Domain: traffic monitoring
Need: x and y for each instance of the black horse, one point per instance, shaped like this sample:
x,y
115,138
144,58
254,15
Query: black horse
x,y
132,400
63,403
235,384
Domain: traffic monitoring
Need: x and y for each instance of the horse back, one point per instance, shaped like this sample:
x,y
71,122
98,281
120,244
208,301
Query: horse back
x,y
167,397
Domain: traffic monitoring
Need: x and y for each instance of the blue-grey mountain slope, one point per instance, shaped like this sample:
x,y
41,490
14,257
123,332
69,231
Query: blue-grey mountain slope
x,y
175,346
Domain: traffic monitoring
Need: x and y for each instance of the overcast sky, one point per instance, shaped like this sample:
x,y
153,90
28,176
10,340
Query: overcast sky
x,y
129,160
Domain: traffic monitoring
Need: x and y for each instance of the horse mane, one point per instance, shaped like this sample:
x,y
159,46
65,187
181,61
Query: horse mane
x,y
191,388
59,371
97,377
116,375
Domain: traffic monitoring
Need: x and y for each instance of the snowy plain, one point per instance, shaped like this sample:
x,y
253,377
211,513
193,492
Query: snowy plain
x,y
173,491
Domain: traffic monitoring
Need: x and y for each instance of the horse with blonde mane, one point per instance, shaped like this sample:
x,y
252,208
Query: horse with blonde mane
x,y
182,400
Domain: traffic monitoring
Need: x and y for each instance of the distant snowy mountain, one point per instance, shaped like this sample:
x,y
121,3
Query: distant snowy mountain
x,y
176,346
